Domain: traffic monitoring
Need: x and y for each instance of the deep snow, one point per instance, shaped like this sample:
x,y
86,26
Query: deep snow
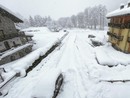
x,y
75,58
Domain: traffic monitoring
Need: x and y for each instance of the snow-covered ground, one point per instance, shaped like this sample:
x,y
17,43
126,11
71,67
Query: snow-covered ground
x,y
76,59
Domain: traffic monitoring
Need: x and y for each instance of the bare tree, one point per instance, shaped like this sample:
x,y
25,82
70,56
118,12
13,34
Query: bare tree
x,y
80,19
31,21
74,20
69,23
91,18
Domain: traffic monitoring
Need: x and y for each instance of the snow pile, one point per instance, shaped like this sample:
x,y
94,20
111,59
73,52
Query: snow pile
x,y
24,63
42,36
37,30
29,34
103,39
118,90
45,85
107,55
116,73
103,58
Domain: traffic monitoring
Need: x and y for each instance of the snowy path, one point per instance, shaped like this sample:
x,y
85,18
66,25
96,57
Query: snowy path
x,y
75,61
75,58
70,57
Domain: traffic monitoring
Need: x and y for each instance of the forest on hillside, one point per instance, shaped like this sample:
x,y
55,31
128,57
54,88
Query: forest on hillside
x,y
91,17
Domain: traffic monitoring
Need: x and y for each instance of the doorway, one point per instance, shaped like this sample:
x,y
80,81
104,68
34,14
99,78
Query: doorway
x,y
7,45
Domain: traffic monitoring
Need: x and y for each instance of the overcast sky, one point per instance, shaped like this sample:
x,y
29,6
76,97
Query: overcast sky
x,y
56,8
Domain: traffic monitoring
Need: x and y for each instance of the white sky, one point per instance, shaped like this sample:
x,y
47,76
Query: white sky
x,y
56,8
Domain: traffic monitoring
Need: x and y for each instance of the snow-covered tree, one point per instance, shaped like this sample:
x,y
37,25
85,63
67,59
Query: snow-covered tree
x,y
31,21
102,16
80,19
62,22
38,20
69,23
74,20
86,17
92,17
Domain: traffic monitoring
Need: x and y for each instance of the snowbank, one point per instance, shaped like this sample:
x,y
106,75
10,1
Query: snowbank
x,y
116,73
45,85
24,63
37,30
107,55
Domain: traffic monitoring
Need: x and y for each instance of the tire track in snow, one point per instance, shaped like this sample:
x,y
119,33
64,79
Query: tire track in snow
x,y
67,64
81,74
95,89
87,80
73,63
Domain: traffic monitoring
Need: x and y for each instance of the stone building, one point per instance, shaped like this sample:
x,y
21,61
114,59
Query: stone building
x,y
13,43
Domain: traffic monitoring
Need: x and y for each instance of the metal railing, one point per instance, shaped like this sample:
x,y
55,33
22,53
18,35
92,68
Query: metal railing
x,y
120,38
121,26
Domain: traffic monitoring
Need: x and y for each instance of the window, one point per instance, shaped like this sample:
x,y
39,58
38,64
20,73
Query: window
x,y
1,33
128,39
7,45
120,38
14,44
128,4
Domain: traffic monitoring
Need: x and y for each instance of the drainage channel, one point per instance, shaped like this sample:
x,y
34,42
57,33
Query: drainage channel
x,y
36,62
115,81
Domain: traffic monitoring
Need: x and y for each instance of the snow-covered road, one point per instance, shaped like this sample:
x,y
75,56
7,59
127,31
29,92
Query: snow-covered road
x,y
76,59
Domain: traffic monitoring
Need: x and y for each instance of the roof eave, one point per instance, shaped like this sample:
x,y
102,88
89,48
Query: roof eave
x,y
11,16
108,17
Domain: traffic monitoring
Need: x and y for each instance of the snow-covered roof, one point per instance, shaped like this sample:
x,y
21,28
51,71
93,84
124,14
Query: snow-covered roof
x,y
120,12
128,1
28,34
10,14
15,50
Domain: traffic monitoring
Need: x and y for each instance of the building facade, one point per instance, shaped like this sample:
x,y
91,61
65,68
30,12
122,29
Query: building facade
x,y
13,43
119,28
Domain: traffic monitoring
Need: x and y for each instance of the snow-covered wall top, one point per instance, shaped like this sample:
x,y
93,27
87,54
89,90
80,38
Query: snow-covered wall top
x,y
119,12
12,15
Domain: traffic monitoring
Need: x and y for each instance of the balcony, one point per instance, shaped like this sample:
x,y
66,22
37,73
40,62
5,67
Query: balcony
x,y
120,38
121,26
8,36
